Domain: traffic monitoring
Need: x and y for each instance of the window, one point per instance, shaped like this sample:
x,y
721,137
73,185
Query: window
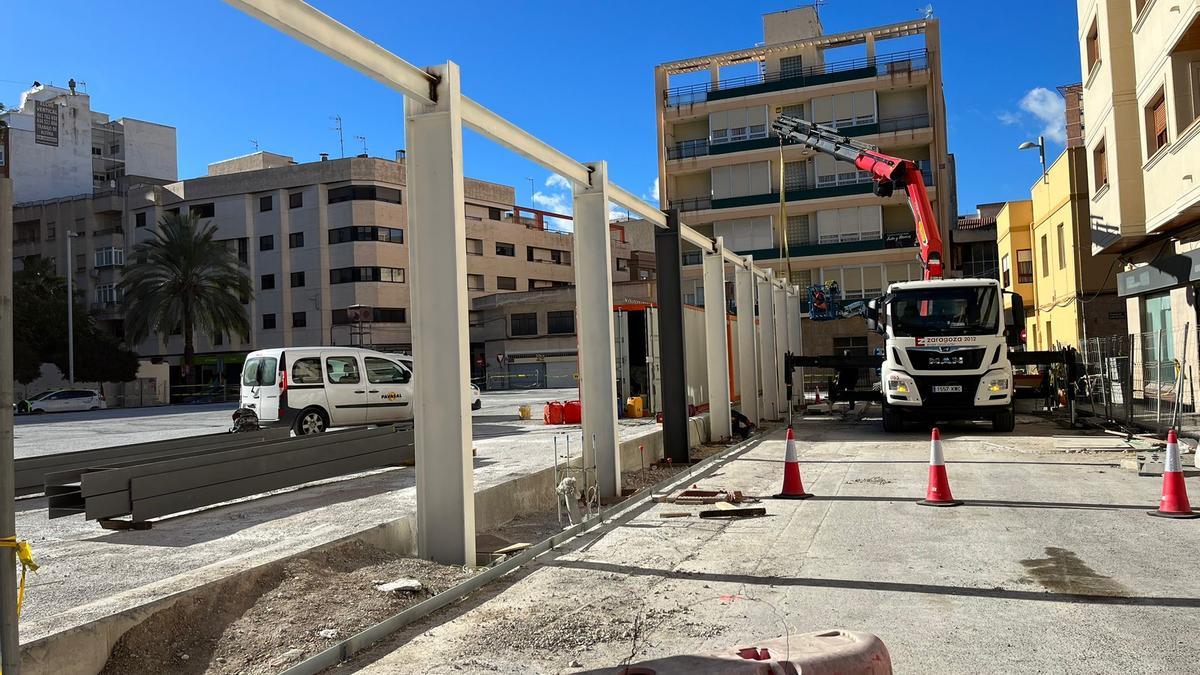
x,y
342,370
845,110
382,371
348,275
114,149
299,320
1025,266
51,232
139,219
560,323
363,192
295,200
97,152
475,282
108,293
1006,271
243,250
306,371
506,283
797,230
1156,124
266,203
505,249
791,66
203,210
1093,45
172,212
218,339
474,246
266,242
268,322
523,324
80,262
1100,165
622,264
295,240
110,257
297,279
391,235
856,223
855,281
1045,256
1062,248
259,371
493,213
795,175
831,172
268,282
739,124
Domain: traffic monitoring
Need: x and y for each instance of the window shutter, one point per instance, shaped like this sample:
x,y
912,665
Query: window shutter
x,y
1160,117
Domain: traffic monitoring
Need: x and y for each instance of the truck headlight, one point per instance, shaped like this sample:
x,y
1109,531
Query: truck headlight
x,y
998,385
899,384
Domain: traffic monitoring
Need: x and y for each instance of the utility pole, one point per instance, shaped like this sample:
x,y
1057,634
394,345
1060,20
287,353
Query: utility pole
x,y
70,309
10,645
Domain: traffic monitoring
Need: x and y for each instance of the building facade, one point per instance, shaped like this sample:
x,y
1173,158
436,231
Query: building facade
x,y
720,165
1141,68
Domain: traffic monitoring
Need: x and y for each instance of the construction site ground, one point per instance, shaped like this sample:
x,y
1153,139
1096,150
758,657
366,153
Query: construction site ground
x,y
1051,565
88,572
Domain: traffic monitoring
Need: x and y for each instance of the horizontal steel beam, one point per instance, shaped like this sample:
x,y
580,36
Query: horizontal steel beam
x,y
524,143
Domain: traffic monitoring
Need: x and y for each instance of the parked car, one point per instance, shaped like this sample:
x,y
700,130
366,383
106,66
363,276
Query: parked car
x,y
62,400
313,388
407,360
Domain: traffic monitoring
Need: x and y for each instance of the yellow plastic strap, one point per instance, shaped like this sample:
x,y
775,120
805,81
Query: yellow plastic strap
x,y
25,557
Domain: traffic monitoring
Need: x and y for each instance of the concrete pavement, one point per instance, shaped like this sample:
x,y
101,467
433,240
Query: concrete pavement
x,y
1051,566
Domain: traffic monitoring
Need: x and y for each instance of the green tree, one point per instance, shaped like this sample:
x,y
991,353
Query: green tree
x,y
184,279
40,331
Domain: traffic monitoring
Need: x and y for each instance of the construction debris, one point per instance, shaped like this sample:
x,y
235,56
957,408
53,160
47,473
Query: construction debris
x,y
405,585
752,512
699,496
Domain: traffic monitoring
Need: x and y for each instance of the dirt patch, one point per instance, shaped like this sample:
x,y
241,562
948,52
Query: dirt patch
x,y
265,622
872,480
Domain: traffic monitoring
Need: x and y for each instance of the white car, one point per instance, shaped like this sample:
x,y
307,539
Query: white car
x,y
63,400
407,360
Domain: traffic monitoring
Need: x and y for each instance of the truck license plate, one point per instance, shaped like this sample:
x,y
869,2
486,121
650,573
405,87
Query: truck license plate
x,y
947,388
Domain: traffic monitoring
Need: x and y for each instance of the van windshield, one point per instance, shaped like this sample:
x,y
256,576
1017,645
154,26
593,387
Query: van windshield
x,y
259,371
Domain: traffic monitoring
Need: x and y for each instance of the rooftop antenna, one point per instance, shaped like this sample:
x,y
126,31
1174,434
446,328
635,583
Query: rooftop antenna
x,y
337,126
363,140
255,144
927,10
817,5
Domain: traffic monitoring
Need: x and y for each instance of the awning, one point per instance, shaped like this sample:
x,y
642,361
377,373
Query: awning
x,y
1164,273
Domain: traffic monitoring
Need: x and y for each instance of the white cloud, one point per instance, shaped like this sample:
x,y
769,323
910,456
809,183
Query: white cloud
x,y
1008,118
558,182
1048,107
552,201
654,190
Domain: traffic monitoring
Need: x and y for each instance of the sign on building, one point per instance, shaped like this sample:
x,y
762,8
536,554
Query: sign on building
x,y
45,123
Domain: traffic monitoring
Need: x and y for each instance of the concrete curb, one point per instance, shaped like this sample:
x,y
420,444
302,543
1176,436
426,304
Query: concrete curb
x,y
85,648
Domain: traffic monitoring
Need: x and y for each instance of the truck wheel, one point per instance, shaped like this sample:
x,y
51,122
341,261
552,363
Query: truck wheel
x,y
891,419
1005,420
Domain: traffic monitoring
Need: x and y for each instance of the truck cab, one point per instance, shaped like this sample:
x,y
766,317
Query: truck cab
x,y
946,353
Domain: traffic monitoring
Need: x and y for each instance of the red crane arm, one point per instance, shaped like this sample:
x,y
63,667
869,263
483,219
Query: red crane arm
x,y
887,172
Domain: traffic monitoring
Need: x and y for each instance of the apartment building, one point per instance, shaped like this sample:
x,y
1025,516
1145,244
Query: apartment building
x,y
1068,294
1141,69
719,165
321,238
60,147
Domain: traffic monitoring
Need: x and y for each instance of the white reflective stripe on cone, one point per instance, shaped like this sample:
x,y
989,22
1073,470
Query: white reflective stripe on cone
x,y
1172,464
935,454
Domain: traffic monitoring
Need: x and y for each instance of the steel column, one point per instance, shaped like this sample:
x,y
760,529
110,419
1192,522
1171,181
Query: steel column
x,y
766,351
743,286
779,305
10,646
594,309
438,261
673,387
716,344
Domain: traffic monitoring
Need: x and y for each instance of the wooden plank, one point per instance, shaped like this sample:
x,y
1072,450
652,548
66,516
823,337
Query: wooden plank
x,y
734,513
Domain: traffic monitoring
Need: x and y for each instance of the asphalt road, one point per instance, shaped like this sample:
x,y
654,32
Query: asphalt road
x,y
69,431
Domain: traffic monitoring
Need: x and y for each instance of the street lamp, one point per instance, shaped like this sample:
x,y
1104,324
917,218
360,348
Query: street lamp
x,y
1041,146
70,309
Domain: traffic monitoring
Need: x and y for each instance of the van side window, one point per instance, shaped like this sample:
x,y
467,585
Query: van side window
x,y
306,371
382,371
342,369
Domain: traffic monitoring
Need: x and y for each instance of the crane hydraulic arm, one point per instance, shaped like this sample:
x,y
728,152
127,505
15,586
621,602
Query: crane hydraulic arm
x,y
887,172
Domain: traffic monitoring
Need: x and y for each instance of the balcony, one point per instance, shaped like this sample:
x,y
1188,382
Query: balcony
x,y
702,147
795,78
691,204
796,194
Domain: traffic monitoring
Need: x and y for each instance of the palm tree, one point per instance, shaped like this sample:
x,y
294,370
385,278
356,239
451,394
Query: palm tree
x,y
185,279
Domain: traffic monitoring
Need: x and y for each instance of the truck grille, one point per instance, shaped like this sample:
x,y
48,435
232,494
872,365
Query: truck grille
x,y
969,358
966,397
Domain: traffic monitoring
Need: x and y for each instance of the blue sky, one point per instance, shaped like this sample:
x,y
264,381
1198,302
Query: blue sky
x,y
577,75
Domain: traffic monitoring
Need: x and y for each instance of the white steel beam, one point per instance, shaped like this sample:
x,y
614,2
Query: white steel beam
x,y
637,205
743,290
594,309
769,372
525,144
779,305
716,345
438,264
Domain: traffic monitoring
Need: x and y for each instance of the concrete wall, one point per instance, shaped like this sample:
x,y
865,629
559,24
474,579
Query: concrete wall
x,y
149,150
46,171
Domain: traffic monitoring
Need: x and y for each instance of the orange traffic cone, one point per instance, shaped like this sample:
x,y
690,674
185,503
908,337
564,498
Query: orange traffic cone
x,y
793,487
1174,501
938,491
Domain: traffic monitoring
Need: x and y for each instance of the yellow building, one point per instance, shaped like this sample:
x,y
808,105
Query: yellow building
x,y
1045,256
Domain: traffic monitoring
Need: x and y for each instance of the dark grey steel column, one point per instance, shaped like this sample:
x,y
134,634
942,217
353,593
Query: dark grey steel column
x,y
667,259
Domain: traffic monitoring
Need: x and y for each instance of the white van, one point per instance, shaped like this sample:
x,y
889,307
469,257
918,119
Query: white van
x,y
313,388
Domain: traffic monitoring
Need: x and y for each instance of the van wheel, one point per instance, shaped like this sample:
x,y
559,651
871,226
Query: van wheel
x,y
311,421
1005,420
95,407
892,423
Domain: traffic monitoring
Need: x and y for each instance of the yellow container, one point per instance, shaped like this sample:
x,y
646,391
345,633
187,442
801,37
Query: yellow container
x,y
633,406
525,412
